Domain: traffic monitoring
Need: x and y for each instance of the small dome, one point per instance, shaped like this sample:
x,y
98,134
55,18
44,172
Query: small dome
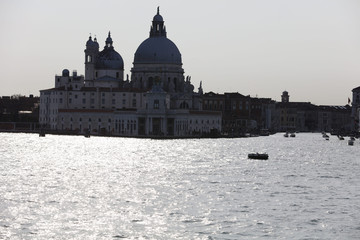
x,y
109,59
157,50
158,18
89,42
65,73
96,44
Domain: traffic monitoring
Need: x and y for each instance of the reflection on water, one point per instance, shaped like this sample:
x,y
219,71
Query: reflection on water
x,y
71,187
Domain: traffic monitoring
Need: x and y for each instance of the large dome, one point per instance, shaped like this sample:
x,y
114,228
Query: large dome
x,y
157,50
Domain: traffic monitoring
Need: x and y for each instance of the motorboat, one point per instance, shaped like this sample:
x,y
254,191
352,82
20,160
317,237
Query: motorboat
x,y
350,142
259,156
292,135
286,134
340,137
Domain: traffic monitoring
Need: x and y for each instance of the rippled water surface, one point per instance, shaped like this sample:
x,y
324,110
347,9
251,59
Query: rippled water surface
x,y
71,187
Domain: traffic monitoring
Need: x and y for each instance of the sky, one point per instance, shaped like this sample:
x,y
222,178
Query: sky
x,y
310,48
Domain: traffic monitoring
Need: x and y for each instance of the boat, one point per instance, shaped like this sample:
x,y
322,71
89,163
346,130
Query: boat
x,y
286,134
292,135
350,142
87,134
259,156
340,137
42,133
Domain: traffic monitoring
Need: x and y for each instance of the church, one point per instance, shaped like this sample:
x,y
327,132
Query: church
x,y
157,100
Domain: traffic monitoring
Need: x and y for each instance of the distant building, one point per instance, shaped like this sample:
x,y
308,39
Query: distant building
x,y
240,114
307,117
157,100
355,109
19,113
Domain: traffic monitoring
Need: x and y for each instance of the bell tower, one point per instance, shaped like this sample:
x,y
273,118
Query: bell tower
x,y
91,51
285,97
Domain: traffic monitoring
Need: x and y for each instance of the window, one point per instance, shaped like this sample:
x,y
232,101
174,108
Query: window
x,y
70,100
84,100
134,102
103,101
156,104
113,101
92,100
124,101
117,74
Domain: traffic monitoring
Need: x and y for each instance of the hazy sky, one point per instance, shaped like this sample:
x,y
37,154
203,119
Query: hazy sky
x,y
311,48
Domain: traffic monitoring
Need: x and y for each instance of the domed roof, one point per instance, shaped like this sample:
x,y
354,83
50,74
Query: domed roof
x,y
89,42
109,59
65,73
92,44
158,17
157,50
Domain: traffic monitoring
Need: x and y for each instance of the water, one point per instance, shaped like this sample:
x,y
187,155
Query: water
x,y
71,187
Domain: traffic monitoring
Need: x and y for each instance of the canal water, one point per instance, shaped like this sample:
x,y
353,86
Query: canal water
x,y
71,187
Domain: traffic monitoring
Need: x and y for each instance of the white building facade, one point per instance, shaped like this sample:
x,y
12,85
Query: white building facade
x,y
156,101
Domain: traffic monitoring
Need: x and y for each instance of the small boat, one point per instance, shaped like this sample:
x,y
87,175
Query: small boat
x,y
42,133
351,142
340,137
260,156
292,135
286,134
87,134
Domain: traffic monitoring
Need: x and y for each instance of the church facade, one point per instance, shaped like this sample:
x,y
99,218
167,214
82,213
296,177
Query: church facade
x,y
157,100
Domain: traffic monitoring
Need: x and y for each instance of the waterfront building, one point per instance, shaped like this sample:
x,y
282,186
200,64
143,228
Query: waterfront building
x,y
157,100
307,117
19,113
240,113
355,108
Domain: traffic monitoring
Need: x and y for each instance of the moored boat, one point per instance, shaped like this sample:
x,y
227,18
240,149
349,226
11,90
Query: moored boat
x,y
259,156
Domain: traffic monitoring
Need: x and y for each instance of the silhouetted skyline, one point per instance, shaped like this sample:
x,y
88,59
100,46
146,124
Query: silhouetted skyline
x,y
261,48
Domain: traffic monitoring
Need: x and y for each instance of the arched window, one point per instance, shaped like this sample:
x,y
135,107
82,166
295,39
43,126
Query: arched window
x,y
156,104
184,105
